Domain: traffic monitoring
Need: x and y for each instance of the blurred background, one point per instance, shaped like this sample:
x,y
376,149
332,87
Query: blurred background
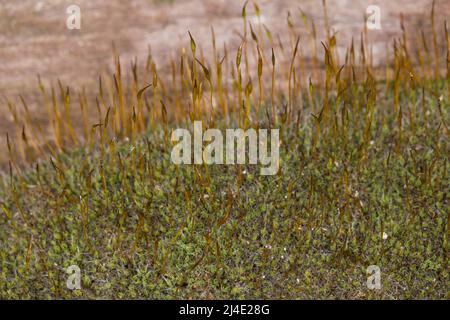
x,y
34,38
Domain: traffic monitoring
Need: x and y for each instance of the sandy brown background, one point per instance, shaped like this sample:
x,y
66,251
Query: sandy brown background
x,y
34,38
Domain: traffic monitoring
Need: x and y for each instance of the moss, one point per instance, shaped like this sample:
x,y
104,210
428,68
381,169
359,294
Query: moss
x,y
156,231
